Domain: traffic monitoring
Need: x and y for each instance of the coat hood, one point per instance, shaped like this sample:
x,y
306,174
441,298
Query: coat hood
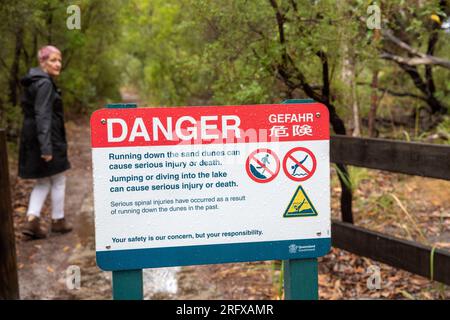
x,y
33,75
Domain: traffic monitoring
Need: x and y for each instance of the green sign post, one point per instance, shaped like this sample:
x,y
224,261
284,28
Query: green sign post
x,y
127,284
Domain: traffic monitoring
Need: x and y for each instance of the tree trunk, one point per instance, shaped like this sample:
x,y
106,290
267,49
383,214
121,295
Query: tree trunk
x,y
348,75
355,107
9,284
2,115
14,71
29,57
373,104
346,195
339,128
49,24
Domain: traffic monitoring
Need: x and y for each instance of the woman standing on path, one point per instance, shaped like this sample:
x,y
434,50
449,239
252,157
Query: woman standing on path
x,y
43,144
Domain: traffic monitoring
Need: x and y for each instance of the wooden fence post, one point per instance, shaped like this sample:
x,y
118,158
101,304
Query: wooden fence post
x,y
9,283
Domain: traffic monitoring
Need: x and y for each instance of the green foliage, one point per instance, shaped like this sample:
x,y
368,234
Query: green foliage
x,y
356,175
443,129
13,117
196,52
226,52
162,52
90,72
234,49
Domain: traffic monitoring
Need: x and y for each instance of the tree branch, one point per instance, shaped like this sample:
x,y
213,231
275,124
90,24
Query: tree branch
x,y
435,105
394,93
426,60
432,41
420,58
280,20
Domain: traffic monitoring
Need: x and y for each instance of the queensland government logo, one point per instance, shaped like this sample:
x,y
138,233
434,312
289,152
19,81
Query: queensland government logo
x,y
293,248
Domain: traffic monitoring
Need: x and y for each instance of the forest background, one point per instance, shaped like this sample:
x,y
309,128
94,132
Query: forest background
x,y
381,67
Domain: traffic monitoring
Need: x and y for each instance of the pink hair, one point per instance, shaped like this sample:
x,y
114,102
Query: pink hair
x,y
44,52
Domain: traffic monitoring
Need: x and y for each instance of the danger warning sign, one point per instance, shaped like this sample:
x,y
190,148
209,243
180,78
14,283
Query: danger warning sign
x,y
216,184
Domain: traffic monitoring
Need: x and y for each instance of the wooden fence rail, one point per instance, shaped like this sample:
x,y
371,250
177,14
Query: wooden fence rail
x,y
412,158
419,159
407,255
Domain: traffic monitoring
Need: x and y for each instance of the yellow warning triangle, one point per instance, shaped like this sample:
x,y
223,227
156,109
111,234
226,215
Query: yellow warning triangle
x,y
300,205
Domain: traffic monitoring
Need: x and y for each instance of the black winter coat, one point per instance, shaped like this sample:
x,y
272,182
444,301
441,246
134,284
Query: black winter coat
x,y
43,131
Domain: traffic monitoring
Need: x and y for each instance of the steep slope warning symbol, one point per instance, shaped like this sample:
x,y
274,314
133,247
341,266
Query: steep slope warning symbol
x,y
262,165
300,205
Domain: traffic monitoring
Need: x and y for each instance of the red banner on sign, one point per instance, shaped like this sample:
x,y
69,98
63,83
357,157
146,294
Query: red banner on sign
x,y
209,125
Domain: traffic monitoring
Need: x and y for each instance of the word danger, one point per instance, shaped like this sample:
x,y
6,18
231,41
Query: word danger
x,y
184,128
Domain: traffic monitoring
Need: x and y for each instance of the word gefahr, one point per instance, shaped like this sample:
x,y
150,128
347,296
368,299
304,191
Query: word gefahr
x,y
291,118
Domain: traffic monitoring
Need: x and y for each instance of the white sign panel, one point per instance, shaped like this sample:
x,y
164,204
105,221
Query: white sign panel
x,y
197,185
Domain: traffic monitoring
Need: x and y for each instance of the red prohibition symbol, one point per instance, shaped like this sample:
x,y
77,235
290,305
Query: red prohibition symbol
x,y
262,165
299,164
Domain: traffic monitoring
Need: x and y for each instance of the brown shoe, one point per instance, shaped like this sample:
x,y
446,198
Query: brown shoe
x,y
61,226
33,229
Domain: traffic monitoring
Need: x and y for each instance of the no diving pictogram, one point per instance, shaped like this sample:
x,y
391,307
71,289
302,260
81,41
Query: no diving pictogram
x,y
262,165
299,164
